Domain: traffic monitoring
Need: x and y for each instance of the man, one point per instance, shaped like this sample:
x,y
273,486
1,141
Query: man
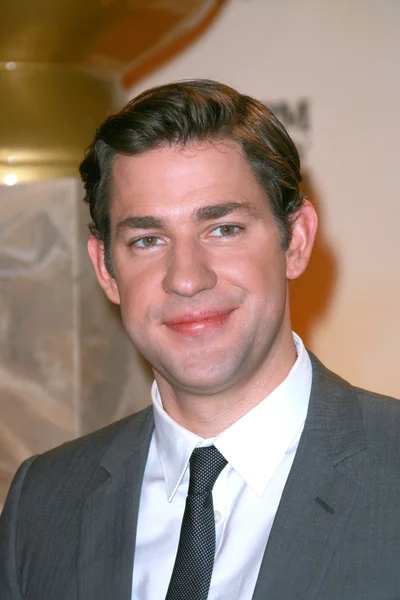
x,y
256,474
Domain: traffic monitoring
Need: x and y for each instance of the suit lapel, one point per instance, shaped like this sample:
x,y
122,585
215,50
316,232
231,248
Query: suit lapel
x,y
110,514
318,496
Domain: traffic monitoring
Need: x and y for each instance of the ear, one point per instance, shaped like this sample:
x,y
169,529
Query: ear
x,y
106,280
304,228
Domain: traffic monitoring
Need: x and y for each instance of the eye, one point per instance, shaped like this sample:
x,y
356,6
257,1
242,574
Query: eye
x,y
225,230
149,241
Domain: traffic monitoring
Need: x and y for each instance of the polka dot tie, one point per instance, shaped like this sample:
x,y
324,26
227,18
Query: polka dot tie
x,y
194,561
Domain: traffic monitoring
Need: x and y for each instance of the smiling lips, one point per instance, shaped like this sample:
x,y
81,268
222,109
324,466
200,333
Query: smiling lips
x,y
199,323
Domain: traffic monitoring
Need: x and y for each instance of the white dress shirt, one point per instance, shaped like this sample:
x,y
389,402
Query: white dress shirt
x,y
260,448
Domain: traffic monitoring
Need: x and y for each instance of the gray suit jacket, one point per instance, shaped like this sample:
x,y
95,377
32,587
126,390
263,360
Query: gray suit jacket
x,y
68,528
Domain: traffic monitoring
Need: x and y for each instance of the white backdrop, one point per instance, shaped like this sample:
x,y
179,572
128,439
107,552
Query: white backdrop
x,y
338,60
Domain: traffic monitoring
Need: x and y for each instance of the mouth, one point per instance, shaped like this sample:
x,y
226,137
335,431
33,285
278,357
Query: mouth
x,y
199,323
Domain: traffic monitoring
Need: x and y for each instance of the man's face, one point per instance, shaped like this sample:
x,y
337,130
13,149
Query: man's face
x,y
199,271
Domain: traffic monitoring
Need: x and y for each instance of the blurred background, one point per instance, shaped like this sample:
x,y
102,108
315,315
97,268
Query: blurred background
x,y
329,70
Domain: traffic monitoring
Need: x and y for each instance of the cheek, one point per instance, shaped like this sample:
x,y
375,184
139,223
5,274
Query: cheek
x,y
259,273
138,292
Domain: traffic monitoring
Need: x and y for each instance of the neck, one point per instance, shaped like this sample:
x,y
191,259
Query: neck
x,y
208,414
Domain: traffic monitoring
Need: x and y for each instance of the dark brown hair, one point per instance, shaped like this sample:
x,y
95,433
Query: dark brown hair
x,y
194,111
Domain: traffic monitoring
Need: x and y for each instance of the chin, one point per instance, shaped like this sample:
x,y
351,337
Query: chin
x,y
205,380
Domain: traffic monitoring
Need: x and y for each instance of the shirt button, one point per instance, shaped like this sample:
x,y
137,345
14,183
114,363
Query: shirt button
x,y
217,516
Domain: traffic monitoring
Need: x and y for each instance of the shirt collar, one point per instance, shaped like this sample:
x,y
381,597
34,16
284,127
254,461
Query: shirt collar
x,y
175,444
255,444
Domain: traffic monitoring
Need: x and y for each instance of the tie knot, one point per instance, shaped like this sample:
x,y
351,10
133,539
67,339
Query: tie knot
x,y
205,465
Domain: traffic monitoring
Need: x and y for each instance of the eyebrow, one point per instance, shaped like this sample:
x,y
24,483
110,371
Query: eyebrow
x,y
216,211
205,213
146,222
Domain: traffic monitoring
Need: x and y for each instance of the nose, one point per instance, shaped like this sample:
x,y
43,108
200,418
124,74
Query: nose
x,y
188,270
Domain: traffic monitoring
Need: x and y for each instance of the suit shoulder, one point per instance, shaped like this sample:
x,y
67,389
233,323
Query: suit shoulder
x,y
78,458
381,415
373,398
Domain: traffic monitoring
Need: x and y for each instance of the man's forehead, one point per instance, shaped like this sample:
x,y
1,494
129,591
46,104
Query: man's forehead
x,y
210,171
206,156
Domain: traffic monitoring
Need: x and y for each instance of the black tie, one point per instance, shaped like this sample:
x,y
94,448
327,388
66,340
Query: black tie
x,y
194,561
